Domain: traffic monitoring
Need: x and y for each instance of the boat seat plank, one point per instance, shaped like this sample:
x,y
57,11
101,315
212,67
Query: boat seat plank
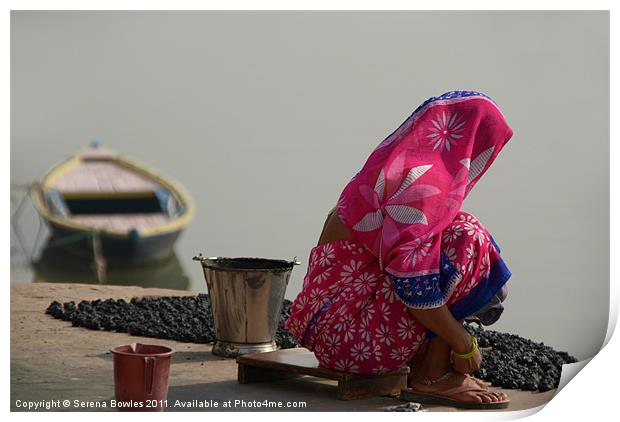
x,y
121,222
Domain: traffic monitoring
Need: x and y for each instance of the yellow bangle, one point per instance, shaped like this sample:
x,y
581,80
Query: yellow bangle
x,y
470,354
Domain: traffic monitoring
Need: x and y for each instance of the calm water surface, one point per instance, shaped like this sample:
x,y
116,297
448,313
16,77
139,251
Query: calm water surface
x,y
265,116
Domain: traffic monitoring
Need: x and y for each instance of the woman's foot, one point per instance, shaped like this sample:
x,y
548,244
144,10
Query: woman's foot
x,y
431,372
458,387
480,382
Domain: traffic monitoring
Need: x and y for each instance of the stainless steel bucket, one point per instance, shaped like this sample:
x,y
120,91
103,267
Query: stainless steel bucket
x,y
246,299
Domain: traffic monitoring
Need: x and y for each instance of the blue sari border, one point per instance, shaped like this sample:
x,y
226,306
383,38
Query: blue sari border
x,y
480,295
418,292
429,290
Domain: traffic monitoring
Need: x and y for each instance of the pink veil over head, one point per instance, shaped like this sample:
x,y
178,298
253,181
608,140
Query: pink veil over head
x,y
414,183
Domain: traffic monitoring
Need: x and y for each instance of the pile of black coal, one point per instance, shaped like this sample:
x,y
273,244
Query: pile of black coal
x,y
510,361
184,318
284,338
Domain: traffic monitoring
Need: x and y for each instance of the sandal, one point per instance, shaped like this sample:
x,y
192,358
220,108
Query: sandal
x,y
444,398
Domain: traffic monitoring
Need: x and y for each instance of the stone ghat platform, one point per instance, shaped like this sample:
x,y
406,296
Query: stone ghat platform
x,y
51,360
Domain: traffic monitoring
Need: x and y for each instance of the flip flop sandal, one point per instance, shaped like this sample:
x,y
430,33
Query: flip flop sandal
x,y
444,399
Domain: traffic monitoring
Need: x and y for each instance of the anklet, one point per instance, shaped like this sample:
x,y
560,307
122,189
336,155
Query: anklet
x,y
429,382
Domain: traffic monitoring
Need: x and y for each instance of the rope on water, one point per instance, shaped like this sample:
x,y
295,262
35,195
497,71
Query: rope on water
x,y
99,262
15,215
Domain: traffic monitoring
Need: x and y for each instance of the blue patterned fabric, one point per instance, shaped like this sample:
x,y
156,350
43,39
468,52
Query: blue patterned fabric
x,y
417,292
449,95
427,290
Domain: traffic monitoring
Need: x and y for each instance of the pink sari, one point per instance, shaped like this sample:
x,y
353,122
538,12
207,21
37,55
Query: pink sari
x,y
412,242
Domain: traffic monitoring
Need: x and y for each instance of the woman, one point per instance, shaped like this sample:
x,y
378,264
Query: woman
x,y
398,265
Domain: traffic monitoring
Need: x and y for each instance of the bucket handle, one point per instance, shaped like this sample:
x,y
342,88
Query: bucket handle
x,y
202,258
149,369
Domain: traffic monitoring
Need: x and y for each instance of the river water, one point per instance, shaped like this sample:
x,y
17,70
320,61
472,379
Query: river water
x,y
264,117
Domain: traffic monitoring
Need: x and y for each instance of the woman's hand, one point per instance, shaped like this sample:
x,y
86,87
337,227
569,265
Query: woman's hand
x,y
441,322
466,366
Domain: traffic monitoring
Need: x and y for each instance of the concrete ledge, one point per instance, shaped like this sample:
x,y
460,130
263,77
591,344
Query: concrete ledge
x,y
51,360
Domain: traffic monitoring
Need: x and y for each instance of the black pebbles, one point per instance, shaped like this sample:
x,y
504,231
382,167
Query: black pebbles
x,y
509,361
180,318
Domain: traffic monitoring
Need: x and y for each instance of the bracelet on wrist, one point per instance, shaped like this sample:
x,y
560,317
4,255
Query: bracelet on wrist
x,y
469,354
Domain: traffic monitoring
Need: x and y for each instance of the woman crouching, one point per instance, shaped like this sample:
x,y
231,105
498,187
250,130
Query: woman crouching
x,y
398,265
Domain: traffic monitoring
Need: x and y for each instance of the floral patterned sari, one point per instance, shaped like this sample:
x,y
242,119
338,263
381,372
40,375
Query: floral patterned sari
x,y
412,241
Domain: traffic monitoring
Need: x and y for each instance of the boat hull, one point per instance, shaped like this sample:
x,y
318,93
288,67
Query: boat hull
x,y
118,250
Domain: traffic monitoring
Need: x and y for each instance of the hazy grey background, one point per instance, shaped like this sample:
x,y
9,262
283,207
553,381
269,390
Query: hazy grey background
x,y
264,117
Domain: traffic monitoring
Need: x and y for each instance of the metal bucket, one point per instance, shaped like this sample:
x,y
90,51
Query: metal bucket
x,y
246,299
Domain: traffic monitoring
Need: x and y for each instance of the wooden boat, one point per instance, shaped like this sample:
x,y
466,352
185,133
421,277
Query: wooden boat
x,y
98,202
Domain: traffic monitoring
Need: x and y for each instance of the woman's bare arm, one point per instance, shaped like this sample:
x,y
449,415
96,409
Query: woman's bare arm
x,y
441,322
334,229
